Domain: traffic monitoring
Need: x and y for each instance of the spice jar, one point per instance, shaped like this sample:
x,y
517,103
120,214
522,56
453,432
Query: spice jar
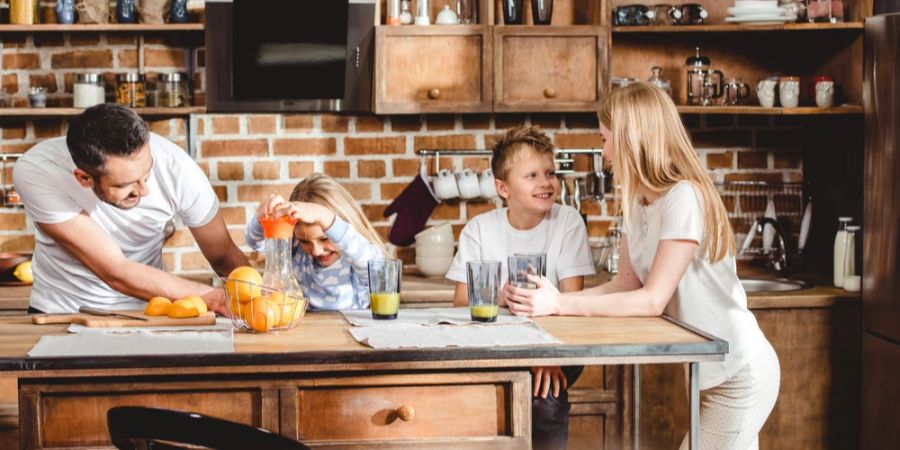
x,y
172,90
130,89
88,90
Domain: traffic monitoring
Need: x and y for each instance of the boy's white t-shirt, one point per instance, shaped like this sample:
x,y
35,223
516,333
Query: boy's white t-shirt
x,y
709,296
561,235
44,179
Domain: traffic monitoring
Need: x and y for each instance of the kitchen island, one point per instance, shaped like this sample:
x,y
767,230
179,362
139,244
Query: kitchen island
x,y
317,384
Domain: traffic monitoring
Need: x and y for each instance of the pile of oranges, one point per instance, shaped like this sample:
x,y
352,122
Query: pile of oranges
x,y
258,308
190,306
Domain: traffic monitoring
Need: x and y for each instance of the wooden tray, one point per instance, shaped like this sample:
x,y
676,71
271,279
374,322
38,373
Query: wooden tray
x,y
88,320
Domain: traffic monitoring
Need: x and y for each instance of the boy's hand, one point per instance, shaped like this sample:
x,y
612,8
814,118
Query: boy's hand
x,y
545,377
308,213
541,301
268,206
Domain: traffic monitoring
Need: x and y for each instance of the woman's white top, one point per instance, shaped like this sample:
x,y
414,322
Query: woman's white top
x,y
709,296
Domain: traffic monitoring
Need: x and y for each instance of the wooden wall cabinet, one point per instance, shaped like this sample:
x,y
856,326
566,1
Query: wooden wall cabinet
x,y
549,68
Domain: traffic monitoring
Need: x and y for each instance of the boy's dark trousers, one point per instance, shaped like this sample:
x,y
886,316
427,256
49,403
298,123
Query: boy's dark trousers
x,y
550,416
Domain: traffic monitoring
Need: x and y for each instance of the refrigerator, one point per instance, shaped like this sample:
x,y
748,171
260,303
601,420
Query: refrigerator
x,y
880,415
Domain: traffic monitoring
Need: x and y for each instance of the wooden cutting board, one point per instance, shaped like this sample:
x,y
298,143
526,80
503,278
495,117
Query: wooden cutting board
x,y
117,322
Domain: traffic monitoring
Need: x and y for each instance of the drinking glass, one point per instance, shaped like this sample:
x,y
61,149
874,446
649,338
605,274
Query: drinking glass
x,y
384,287
483,287
523,264
512,12
467,11
541,11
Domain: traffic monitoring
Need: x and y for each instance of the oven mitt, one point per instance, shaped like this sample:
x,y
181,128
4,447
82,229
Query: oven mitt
x,y
413,208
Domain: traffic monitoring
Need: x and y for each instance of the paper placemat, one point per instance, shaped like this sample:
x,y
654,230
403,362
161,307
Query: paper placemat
x,y
132,341
417,336
429,316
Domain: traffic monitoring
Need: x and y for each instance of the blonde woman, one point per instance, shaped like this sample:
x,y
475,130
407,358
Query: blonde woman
x,y
333,242
677,258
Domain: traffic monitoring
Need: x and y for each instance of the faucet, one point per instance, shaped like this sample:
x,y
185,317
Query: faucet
x,y
780,256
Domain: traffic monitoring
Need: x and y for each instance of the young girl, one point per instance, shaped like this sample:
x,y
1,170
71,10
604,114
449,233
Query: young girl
x,y
677,257
333,242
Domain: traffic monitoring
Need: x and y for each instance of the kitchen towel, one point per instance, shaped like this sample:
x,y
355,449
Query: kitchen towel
x,y
412,336
413,208
135,341
429,317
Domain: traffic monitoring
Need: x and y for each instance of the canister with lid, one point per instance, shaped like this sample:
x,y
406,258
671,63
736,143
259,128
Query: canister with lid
x,y
88,90
173,90
130,89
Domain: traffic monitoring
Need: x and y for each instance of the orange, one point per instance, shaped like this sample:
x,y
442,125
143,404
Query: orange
x,y
291,311
243,291
198,302
158,306
183,308
261,313
280,228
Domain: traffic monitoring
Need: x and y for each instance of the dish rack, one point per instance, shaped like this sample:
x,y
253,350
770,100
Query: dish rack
x,y
746,201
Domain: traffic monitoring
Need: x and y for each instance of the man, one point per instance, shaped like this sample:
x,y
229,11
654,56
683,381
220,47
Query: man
x,y
100,199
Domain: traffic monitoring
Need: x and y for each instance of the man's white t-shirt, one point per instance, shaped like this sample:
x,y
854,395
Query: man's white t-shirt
x,y
561,235
709,296
44,179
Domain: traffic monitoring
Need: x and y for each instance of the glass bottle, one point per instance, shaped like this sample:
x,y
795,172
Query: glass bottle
x,y
657,80
173,90
278,274
840,243
852,278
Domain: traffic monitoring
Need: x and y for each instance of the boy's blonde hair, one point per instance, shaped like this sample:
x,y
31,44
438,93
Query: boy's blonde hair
x,y
654,151
514,143
323,190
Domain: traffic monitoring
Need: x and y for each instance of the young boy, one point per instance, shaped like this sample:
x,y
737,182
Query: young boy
x,y
532,222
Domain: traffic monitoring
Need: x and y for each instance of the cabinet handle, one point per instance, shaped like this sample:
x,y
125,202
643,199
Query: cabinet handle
x,y
406,413
434,93
549,93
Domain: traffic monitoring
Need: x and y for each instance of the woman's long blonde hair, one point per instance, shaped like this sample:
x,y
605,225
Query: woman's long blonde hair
x,y
653,151
323,190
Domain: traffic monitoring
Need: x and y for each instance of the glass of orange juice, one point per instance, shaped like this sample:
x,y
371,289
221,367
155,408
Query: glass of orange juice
x,y
384,287
483,287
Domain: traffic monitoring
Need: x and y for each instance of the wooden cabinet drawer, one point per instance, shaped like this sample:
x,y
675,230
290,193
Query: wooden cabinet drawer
x,y
549,69
437,69
429,406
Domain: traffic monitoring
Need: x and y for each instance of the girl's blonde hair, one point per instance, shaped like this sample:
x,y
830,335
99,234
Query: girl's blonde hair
x,y
323,190
653,151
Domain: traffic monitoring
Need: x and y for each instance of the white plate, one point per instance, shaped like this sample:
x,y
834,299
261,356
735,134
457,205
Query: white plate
x,y
761,20
756,4
735,11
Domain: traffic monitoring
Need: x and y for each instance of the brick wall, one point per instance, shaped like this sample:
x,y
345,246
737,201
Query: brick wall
x,y
249,156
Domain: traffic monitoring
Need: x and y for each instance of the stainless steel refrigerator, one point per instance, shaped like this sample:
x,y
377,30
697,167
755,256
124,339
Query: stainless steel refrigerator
x,y
880,421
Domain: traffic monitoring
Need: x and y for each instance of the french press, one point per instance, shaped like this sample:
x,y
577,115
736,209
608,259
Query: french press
x,y
703,85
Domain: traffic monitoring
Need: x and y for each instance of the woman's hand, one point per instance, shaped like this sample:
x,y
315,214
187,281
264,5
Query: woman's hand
x,y
308,213
547,377
541,301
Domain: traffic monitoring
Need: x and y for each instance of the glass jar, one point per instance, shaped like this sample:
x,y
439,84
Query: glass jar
x,y
619,83
172,90
130,90
88,90
657,80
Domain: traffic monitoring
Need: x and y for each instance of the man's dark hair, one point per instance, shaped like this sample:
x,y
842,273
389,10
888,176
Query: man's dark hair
x,y
104,130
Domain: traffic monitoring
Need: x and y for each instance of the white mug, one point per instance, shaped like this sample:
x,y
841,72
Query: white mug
x,y
468,184
765,91
445,185
825,94
789,93
486,183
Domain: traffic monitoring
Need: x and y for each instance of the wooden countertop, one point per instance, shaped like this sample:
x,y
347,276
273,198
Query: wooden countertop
x,y
322,342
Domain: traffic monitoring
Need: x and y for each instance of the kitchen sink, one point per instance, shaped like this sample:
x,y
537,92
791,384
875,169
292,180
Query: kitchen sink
x,y
773,284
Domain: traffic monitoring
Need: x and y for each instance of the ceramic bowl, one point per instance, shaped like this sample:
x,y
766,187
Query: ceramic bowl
x,y
434,249
434,266
440,234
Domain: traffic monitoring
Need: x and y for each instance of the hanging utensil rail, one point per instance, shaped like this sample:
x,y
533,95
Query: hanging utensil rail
x,y
562,158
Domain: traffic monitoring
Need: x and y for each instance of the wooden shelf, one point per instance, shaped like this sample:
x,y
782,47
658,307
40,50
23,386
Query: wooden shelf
x,y
759,110
95,27
733,28
66,112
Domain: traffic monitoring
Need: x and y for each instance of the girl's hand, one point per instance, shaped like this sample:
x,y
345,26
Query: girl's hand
x,y
308,213
546,377
268,206
541,301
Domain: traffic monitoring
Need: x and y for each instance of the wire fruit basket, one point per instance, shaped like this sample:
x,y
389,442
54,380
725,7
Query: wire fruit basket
x,y
260,309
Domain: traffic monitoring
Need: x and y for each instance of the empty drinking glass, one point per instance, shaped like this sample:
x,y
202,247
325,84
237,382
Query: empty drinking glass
x,y
384,287
523,264
467,11
541,11
483,287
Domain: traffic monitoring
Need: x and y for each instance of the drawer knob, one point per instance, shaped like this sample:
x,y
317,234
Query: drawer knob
x,y
406,413
550,93
434,93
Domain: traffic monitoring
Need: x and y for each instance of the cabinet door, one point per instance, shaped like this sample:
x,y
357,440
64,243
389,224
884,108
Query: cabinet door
x,y
432,69
549,68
